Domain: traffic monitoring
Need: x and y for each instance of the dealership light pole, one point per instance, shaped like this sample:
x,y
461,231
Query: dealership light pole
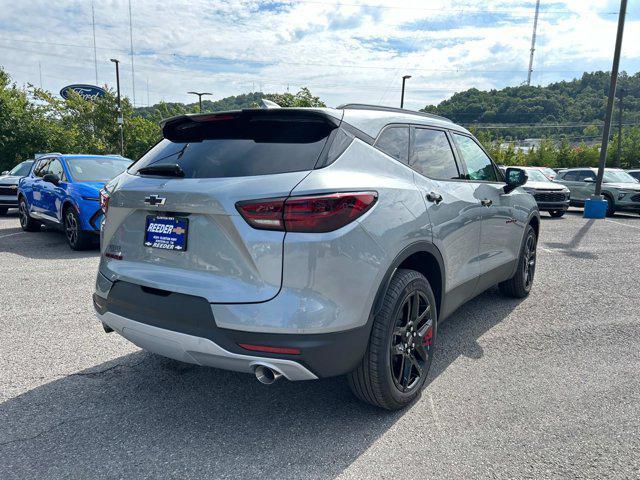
x,y
404,79
120,121
200,94
595,206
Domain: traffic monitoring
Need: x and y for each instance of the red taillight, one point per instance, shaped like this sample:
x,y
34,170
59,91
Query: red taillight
x,y
264,214
311,214
325,213
267,349
104,200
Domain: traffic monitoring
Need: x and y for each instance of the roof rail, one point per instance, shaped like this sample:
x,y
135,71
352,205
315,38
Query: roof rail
x,y
381,108
38,155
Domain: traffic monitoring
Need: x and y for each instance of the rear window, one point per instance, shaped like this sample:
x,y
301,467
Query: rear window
x,y
241,145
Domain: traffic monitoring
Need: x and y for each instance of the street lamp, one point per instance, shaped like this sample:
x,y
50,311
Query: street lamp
x,y
120,122
404,79
200,94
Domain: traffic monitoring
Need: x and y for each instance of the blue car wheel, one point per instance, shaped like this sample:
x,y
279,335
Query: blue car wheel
x,y
77,238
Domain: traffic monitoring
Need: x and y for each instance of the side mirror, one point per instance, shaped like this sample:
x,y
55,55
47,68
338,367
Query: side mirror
x,y
51,178
590,180
6,172
516,177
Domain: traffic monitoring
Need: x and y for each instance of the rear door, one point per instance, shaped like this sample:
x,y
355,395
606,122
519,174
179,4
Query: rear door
x,y
569,180
37,202
225,159
452,207
501,232
51,193
586,184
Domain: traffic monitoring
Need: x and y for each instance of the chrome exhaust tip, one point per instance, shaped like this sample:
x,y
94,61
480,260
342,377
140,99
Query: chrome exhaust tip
x,y
266,375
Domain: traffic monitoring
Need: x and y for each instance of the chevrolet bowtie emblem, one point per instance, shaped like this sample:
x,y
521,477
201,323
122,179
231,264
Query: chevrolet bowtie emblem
x,y
154,200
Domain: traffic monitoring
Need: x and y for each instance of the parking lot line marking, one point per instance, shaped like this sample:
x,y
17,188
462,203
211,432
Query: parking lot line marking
x,y
10,234
626,225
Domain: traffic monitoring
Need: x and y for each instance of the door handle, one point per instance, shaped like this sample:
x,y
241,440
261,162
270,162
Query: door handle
x,y
434,197
486,202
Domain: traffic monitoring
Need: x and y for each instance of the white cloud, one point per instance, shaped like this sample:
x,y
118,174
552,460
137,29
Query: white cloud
x,y
344,52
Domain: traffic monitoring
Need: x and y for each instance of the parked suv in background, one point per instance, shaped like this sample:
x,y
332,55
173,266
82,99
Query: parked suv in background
x,y
9,185
550,196
620,190
62,191
310,243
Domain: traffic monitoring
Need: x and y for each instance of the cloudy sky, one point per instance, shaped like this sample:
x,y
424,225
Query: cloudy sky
x,y
343,50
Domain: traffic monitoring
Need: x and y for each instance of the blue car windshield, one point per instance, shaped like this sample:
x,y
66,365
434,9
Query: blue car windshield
x,y
87,169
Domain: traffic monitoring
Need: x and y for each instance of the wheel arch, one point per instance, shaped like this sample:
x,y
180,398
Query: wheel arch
x,y
423,257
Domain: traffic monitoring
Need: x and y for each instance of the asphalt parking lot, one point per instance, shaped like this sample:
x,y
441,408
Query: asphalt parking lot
x,y
545,387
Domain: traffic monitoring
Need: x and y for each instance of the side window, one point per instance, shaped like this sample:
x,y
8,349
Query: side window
x,y
41,168
394,141
582,175
479,165
432,155
55,167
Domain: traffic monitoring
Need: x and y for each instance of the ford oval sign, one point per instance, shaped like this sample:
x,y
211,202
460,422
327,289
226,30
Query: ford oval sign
x,y
88,92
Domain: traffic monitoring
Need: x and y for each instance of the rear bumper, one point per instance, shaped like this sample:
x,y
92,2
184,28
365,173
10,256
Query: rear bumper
x,y
197,350
183,327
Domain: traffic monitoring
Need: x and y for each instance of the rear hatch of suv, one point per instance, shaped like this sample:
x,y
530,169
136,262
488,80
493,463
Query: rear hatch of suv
x,y
172,221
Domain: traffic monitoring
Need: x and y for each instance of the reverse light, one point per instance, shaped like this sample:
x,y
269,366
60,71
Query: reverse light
x,y
310,214
104,200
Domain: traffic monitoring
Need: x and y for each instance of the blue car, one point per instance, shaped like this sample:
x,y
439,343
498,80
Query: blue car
x,y
63,191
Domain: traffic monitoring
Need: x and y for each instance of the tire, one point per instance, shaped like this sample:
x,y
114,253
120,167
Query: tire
x,y
77,238
381,379
3,210
611,206
27,223
520,284
556,213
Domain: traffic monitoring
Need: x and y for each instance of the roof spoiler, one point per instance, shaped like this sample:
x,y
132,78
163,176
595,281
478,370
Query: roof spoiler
x,y
191,127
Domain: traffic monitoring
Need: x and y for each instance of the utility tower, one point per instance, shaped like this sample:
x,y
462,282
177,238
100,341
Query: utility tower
x,y
533,42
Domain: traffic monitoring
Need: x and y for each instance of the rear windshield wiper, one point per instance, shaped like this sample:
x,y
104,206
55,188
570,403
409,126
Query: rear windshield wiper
x,y
167,170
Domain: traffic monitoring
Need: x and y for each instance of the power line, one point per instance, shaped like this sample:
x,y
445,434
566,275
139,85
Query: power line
x,y
441,10
304,64
540,125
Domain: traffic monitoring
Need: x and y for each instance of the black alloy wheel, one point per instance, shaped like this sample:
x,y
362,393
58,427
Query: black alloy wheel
x,y
411,342
529,261
71,228
27,223
395,366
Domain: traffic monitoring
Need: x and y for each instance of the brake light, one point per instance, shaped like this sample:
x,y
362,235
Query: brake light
x,y
264,214
104,200
311,214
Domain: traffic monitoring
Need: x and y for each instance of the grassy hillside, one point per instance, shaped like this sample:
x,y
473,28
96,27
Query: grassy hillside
x,y
525,108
